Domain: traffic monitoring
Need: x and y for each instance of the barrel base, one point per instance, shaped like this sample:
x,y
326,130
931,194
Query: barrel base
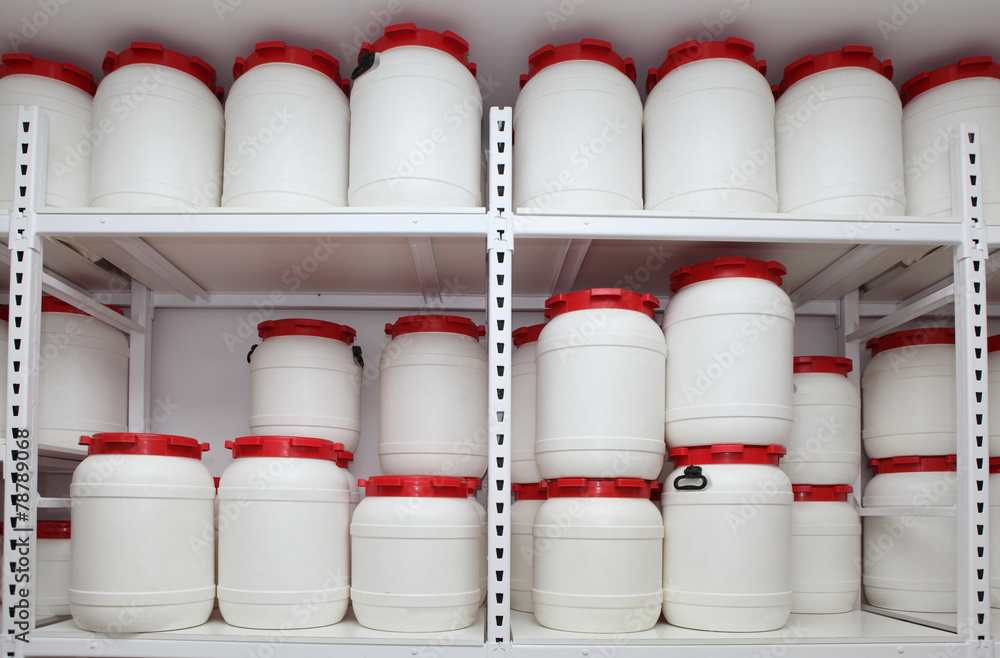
x,y
116,619
415,620
726,619
596,620
282,616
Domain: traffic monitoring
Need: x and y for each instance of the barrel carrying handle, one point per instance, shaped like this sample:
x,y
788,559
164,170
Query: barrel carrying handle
x,y
691,473
366,60
356,351
250,353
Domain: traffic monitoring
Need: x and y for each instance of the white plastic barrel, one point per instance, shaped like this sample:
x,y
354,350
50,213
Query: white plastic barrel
x,y
527,499
305,381
708,131
727,555
53,562
908,394
474,484
4,312
934,103
415,567
83,376
910,561
578,126
993,391
159,126
283,560
138,501
416,122
65,94
432,409
729,331
344,459
825,445
522,405
994,485
599,386
838,131
826,549
287,130
598,552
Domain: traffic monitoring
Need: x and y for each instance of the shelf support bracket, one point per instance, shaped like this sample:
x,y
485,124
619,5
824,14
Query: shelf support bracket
x,y
162,267
573,259
140,357
835,273
427,274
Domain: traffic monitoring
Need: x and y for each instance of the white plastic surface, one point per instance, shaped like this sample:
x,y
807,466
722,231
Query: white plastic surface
x,y
53,563
708,135
522,517
826,557
523,390
825,445
481,551
578,126
287,135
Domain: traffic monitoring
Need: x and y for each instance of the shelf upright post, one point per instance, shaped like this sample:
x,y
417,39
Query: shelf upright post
x,y
139,359
970,350
500,247
20,456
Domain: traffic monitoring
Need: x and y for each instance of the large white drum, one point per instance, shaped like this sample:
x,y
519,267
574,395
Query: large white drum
x,y
993,392
522,405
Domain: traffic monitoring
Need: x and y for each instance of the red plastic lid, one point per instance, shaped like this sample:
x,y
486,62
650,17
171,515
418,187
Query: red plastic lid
x,y
993,343
56,305
994,464
913,464
912,337
305,327
722,268
836,365
817,493
25,64
593,50
599,488
525,335
451,324
270,52
533,491
853,56
692,51
53,530
582,300
342,457
726,453
408,34
4,312
299,447
145,52
129,443
423,486
967,67
473,485
655,491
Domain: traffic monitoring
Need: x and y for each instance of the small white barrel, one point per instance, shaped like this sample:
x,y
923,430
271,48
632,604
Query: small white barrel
x,y
825,445
578,125
910,561
527,499
729,330
838,131
708,130
598,553
83,376
432,411
4,312
65,94
727,510
415,567
474,484
158,139
994,485
826,549
522,405
53,562
288,128
141,503
934,103
305,380
283,560
908,394
416,122
993,391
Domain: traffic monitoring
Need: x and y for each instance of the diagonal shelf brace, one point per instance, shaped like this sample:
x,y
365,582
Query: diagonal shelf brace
x,y
903,315
835,273
162,267
427,274
573,259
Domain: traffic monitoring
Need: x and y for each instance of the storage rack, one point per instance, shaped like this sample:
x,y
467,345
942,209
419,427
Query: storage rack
x,y
501,632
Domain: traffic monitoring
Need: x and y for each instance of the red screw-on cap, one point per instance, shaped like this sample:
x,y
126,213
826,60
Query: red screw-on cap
x,y
408,34
424,486
533,491
473,485
129,443
726,453
913,464
912,337
341,456
994,464
299,447
993,343
525,335
722,268
305,327
599,488
56,305
817,493
848,56
144,52
450,324
967,67
25,64
835,365
53,530
271,52
583,300
692,51
593,50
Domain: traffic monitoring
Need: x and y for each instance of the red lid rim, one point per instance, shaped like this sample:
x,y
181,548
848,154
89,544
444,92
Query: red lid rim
x,y
136,443
148,52
449,324
408,34
531,491
848,56
56,305
599,488
834,365
54,530
911,338
285,447
423,486
965,68
306,327
593,50
277,52
994,464
726,453
594,298
993,343
25,64
914,464
733,48
524,335
821,493
725,268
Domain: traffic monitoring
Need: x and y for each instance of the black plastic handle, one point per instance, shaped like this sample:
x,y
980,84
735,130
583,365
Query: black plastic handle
x,y
366,59
356,351
252,348
691,473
